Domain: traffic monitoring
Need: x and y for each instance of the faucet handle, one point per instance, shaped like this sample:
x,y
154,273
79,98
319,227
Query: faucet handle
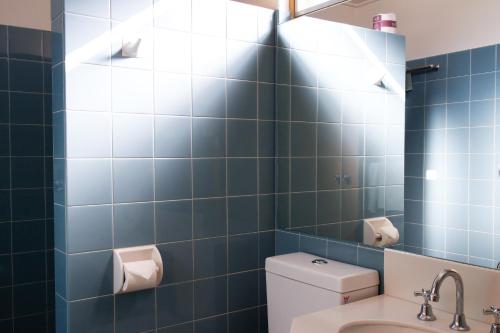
x,y
493,311
425,293
425,313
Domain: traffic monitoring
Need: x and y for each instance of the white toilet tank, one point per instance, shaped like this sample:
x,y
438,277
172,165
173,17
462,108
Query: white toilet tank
x,y
300,283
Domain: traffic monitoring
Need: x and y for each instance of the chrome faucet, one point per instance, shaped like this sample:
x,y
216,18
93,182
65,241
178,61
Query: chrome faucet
x,y
494,311
459,323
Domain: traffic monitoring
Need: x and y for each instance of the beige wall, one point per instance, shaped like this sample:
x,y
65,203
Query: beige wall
x,y
26,13
431,27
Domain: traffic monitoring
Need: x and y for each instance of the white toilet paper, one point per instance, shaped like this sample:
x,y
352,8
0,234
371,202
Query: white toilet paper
x,y
139,275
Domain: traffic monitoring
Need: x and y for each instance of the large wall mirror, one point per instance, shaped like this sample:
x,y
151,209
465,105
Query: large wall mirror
x,y
392,139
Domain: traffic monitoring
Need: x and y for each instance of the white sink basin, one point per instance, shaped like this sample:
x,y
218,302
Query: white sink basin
x,y
383,327
380,314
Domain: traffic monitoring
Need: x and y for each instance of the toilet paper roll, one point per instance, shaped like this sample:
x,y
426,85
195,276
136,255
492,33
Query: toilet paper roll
x,y
140,275
389,235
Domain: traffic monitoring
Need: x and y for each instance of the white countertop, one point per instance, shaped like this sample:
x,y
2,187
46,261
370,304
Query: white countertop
x,y
376,309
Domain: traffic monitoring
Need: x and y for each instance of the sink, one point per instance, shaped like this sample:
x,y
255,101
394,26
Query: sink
x,y
374,326
379,314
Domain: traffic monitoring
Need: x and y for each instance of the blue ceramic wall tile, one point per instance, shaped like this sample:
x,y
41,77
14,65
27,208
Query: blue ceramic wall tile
x,y
177,17
211,324
173,221
328,209
242,290
457,115
459,63
210,297
84,31
209,97
25,43
210,257
209,218
312,245
89,228
172,137
26,76
243,252
122,10
88,182
29,299
94,314
4,70
303,104
458,89
243,321
267,64
266,175
435,92
266,136
26,108
132,136
27,140
440,60
209,137
242,138
242,60
178,259
303,137
483,59
135,312
329,106
172,179
6,302
28,267
172,59
241,99
266,247
242,215
28,236
90,275
3,41
178,102
27,172
133,224
209,55
482,86
303,209
283,66
303,174
95,8
5,270
342,252
266,106
286,242
133,180
396,49
241,176
303,68
266,212
181,328
174,304
209,178
81,142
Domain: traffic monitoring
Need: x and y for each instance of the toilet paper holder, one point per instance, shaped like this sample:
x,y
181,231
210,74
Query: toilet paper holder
x,y
379,232
123,257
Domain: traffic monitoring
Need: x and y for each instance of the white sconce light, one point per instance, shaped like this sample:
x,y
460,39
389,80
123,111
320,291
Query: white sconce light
x,y
131,46
375,76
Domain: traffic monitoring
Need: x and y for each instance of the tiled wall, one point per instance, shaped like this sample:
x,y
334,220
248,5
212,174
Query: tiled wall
x,y
451,174
174,148
340,138
26,205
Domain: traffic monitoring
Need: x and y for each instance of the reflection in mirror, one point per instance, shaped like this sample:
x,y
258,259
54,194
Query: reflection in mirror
x,y
367,151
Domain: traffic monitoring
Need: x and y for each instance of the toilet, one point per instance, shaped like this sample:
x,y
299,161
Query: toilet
x,y
300,283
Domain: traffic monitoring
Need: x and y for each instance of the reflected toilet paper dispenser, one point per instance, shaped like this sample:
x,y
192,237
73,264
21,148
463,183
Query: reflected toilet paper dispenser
x,y
379,232
136,268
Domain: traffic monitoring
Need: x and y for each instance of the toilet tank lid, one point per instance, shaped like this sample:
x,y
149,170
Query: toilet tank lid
x,y
333,275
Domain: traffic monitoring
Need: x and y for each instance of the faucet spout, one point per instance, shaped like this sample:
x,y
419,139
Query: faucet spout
x,y
459,323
